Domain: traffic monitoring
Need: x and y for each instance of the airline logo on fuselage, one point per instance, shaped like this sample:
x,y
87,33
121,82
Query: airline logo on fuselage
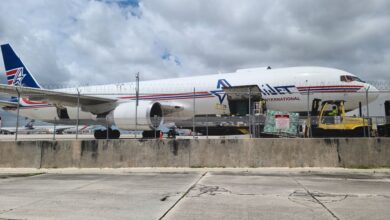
x,y
276,90
266,90
287,92
219,93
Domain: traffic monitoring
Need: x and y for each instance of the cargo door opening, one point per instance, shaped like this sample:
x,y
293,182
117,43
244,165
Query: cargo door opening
x,y
243,100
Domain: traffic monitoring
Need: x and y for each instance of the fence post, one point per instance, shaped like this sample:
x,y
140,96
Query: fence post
x,y
54,128
78,113
17,115
155,130
308,113
136,99
368,113
107,129
249,113
207,126
193,117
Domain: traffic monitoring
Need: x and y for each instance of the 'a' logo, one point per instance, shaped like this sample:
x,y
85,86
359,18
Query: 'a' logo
x,y
222,83
19,76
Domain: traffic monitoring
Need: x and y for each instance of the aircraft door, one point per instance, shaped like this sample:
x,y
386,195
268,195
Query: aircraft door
x,y
62,113
243,99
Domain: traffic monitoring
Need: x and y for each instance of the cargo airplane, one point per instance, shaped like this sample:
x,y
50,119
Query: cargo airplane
x,y
163,101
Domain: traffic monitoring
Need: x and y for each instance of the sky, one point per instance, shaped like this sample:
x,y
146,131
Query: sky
x,y
79,42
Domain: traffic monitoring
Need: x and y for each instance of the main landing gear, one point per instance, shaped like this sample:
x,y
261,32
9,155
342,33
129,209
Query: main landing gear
x,y
102,134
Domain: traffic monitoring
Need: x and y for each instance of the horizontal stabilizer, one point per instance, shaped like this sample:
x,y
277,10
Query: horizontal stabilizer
x,y
8,104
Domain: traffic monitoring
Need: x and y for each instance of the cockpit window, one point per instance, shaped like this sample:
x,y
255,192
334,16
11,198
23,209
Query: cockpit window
x,y
348,78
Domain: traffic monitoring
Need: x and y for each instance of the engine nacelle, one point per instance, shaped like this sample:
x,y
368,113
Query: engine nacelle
x,y
149,115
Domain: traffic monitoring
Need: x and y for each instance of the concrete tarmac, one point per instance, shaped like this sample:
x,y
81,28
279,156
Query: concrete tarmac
x,y
175,193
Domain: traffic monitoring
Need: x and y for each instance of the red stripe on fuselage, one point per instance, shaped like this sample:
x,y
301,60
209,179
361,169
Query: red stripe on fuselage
x,y
320,87
159,95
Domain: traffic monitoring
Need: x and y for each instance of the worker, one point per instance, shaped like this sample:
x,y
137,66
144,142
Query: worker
x,y
332,114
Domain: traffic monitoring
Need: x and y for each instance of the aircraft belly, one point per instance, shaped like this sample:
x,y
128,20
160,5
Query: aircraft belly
x,y
204,106
212,106
42,113
49,114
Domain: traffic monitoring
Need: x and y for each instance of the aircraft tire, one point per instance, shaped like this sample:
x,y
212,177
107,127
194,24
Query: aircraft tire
x,y
151,134
100,134
114,134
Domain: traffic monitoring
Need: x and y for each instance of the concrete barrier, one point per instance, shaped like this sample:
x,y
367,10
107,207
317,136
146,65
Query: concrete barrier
x,y
344,152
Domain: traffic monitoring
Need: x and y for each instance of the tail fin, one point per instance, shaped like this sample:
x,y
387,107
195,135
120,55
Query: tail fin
x,y
17,74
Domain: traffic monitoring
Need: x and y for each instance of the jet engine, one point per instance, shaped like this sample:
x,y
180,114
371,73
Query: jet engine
x,y
146,116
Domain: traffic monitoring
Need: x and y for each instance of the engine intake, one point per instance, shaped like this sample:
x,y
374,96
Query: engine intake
x,y
149,115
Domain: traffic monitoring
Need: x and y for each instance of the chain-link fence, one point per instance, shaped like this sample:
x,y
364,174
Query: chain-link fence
x,y
200,114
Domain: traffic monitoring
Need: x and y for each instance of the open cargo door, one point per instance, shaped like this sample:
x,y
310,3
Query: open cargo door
x,y
241,99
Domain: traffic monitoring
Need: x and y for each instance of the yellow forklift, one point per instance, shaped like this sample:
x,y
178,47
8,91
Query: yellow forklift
x,y
329,120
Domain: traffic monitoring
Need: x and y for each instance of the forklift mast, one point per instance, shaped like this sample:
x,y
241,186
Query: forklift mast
x,y
315,106
387,108
387,112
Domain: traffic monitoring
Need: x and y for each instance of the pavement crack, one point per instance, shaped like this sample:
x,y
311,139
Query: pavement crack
x,y
216,190
184,194
211,190
313,196
304,198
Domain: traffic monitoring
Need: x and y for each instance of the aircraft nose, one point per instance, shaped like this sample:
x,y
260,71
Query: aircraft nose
x,y
372,92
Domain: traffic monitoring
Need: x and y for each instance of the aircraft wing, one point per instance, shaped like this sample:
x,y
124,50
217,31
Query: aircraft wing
x,y
94,104
7,104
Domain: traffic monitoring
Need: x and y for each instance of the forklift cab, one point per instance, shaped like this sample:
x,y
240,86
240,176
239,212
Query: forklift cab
x,y
336,121
332,112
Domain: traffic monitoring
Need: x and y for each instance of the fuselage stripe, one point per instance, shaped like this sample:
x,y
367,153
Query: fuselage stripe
x,y
202,94
167,95
340,86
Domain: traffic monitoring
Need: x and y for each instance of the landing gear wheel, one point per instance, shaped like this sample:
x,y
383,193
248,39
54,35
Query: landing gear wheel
x,y
151,134
114,134
102,134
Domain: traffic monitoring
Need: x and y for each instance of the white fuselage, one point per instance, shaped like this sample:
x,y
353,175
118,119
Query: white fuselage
x,y
284,89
